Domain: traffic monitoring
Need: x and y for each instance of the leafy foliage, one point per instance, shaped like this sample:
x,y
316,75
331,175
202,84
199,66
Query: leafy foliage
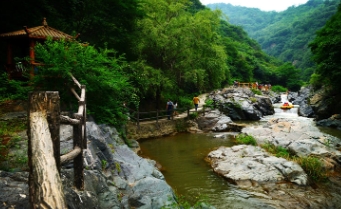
x,y
326,49
100,70
13,89
278,88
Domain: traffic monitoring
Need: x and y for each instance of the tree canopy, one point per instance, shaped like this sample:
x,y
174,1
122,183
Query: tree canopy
x,y
143,52
326,49
286,34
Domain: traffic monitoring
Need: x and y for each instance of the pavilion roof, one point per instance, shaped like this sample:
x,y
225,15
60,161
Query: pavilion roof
x,y
38,32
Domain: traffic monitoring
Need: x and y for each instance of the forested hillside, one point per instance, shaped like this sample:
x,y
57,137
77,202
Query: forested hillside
x,y
285,35
139,52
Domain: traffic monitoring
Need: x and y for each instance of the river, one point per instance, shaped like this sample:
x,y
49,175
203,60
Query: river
x,y
182,158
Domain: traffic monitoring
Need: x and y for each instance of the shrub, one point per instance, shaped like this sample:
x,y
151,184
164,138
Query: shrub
x,y
278,88
256,91
193,115
246,139
209,103
313,167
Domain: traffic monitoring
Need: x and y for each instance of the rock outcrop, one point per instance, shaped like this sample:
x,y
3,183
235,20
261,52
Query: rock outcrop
x,y
216,121
301,138
251,166
242,104
115,176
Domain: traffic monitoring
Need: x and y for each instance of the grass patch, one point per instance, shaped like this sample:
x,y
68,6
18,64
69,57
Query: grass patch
x,y
246,139
253,99
277,151
196,202
10,128
313,167
12,154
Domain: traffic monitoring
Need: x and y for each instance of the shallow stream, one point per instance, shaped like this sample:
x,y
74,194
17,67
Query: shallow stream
x,y
182,158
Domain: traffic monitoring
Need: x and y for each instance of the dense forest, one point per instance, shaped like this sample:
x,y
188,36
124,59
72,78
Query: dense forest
x,y
139,52
287,34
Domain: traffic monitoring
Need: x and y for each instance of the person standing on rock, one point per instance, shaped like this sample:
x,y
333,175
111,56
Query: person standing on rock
x,y
169,108
196,102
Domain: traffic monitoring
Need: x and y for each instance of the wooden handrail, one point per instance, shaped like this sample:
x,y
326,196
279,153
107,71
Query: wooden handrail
x,y
45,186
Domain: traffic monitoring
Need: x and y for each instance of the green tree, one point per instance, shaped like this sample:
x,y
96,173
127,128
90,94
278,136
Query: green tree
x,y
100,70
326,49
185,47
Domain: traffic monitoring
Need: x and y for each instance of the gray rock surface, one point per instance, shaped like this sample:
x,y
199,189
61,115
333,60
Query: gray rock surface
x,y
125,180
334,121
242,104
301,137
251,166
216,121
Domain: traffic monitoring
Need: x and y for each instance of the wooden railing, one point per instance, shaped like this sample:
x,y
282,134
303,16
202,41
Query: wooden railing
x,y
138,117
45,186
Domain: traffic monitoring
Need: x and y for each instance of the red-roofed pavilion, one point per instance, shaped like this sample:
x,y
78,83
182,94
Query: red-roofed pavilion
x,y
21,43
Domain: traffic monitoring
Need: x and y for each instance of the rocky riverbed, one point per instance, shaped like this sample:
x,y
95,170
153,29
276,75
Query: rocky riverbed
x,y
279,182
116,177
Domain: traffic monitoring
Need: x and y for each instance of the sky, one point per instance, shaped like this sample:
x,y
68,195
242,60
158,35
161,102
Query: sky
x,y
264,5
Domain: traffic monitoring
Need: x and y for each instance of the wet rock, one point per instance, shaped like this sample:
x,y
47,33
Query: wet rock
x,y
306,110
251,166
334,122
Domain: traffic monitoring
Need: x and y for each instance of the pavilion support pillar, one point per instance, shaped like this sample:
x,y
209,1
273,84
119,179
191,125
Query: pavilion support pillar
x,y
9,53
32,57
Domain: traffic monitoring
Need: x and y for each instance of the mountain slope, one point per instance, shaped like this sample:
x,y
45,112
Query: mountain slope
x,y
286,34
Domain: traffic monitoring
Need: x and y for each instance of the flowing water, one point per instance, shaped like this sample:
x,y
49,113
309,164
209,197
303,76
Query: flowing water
x,y
182,158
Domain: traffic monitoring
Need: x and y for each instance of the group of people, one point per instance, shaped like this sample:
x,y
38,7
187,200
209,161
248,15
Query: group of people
x,y
265,87
254,85
171,107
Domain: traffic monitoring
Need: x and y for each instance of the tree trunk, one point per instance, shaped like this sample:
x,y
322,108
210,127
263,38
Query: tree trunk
x,y
44,181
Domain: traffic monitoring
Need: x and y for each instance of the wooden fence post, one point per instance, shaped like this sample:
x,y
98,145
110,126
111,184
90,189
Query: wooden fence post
x,y
45,186
78,160
157,116
138,119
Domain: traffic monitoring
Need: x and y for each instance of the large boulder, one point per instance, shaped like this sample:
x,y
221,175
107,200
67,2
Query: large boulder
x,y
251,166
216,121
334,121
326,103
301,137
242,104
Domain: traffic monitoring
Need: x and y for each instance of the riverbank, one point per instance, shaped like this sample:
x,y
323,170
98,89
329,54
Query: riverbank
x,y
283,185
